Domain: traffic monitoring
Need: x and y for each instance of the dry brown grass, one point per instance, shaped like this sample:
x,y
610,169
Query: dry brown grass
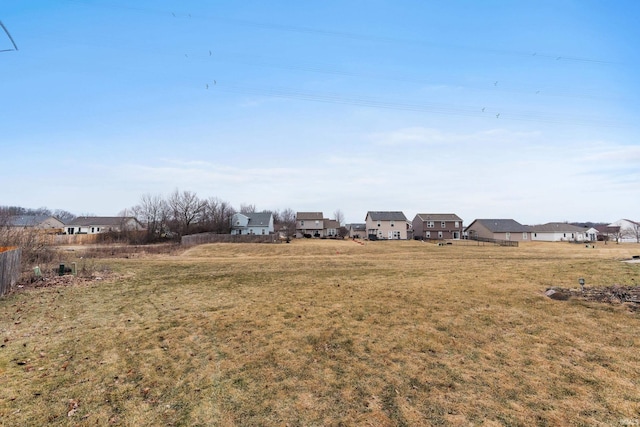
x,y
327,333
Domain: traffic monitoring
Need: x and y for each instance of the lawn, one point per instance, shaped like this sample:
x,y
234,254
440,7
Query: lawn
x,y
326,333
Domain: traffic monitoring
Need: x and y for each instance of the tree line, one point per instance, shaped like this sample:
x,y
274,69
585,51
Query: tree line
x,y
183,212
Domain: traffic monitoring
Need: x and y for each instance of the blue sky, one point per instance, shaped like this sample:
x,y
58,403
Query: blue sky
x,y
503,109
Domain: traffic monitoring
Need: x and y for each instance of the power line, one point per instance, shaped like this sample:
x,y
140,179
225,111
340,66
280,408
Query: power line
x,y
446,109
15,47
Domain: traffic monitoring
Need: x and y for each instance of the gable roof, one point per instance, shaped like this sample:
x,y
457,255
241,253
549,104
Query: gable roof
x,y
357,227
28,220
115,221
501,225
331,223
438,217
556,227
257,219
309,215
386,216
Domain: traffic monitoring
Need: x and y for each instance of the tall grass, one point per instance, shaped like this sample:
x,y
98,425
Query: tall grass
x,y
327,333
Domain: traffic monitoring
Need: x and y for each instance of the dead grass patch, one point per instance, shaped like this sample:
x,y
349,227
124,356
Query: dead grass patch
x,y
326,333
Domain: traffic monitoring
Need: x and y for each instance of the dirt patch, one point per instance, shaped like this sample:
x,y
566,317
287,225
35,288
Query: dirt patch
x,y
616,294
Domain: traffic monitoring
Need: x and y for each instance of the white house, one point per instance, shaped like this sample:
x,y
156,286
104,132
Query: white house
x,y
629,230
252,223
386,225
102,224
558,232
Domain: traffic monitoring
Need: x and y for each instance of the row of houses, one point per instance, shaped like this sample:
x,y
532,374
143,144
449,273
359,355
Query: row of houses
x,y
79,225
378,225
393,225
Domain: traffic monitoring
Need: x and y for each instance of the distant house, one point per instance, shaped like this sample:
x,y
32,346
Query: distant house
x,y
437,226
629,231
357,231
252,223
310,224
331,227
591,234
558,232
386,225
608,232
102,224
500,229
41,222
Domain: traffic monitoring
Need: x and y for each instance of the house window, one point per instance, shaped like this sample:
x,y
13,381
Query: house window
x,y
98,229
93,230
263,231
317,222
430,224
443,224
524,236
393,223
378,223
457,224
301,223
427,234
439,234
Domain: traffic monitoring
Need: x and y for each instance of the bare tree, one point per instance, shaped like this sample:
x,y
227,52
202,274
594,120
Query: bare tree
x,y
186,207
247,208
153,212
64,216
632,231
286,221
216,216
339,216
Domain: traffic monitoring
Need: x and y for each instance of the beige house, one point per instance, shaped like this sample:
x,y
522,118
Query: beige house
x,y
499,229
310,224
357,231
386,225
46,223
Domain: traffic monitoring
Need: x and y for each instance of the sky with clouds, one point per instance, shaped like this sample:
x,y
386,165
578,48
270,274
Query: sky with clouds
x,y
494,109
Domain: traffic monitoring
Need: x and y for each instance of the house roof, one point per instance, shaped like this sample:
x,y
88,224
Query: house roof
x,y
259,218
386,216
331,223
438,217
501,225
85,221
28,220
556,227
309,215
357,227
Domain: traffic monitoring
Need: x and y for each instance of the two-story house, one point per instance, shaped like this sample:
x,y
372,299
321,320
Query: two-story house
x,y
310,224
437,226
386,225
252,223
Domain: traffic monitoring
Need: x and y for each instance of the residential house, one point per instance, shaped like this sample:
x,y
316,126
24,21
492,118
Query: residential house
x,y
500,229
591,234
608,232
558,232
357,231
629,230
331,227
47,223
310,224
437,226
386,225
252,223
102,224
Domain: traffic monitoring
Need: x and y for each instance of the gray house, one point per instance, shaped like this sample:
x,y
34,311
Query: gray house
x,y
500,229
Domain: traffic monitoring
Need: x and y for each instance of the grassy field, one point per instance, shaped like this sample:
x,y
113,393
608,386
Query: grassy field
x,y
326,333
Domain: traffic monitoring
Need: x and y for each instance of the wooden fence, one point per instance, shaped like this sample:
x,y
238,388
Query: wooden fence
x,y
9,268
202,238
